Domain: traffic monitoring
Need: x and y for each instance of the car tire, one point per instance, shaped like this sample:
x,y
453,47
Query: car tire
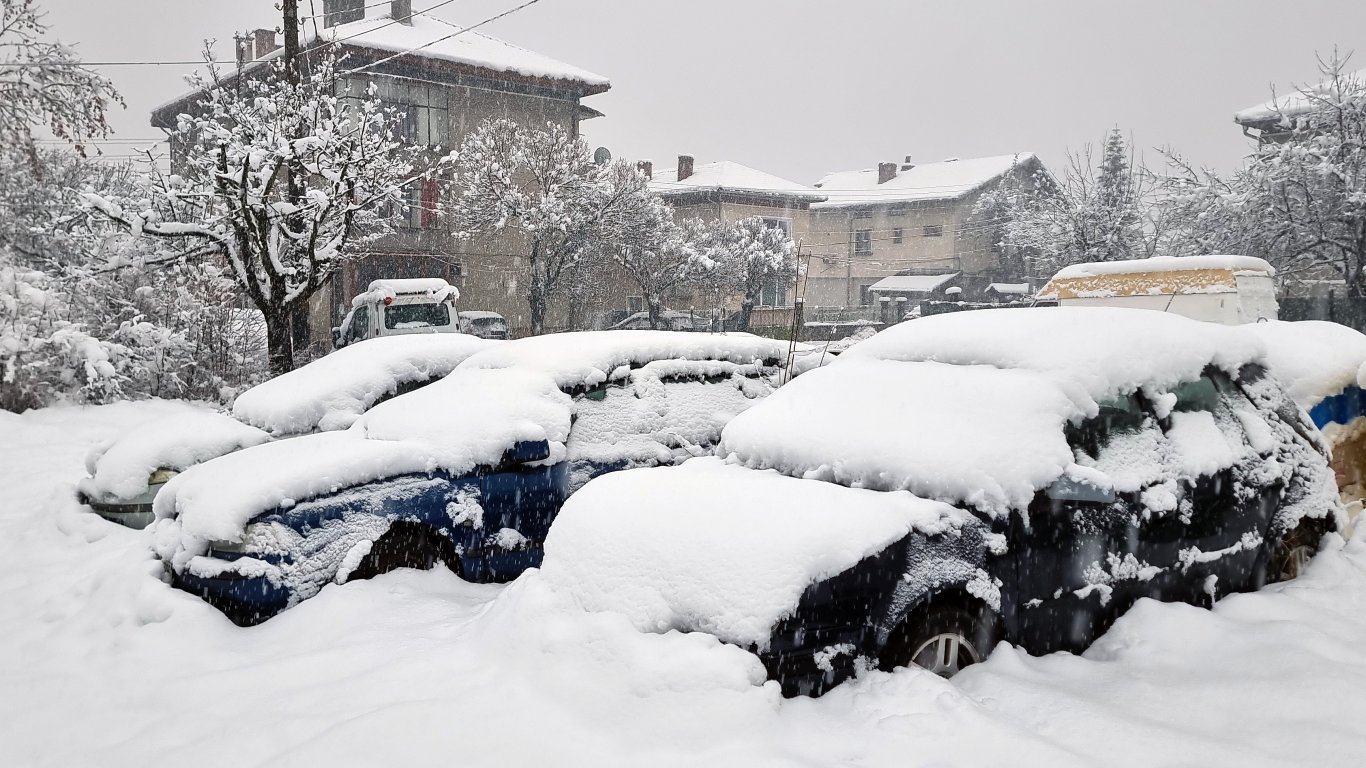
x,y
1288,557
943,637
404,545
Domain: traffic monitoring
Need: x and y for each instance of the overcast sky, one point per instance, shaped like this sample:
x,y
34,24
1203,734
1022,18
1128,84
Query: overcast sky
x,y
801,87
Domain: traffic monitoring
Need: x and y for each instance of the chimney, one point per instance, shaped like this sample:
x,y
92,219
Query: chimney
x,y
647,168
401,11
264,42
908,165
684,166
885,172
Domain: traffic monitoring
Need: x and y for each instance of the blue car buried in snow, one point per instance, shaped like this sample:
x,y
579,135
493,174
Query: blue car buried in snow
x,y
470,471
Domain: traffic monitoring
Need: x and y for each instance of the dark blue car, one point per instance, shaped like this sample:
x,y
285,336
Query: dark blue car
x,y
469,472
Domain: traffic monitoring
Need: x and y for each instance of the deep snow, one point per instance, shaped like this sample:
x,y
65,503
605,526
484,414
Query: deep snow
x,y
103,665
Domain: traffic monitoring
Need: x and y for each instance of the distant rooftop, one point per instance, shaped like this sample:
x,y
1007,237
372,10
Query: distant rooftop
x,y
946,180
1294,102
727,176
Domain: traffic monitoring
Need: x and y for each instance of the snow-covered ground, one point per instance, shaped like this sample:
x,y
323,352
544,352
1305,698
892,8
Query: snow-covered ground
x,y
103,665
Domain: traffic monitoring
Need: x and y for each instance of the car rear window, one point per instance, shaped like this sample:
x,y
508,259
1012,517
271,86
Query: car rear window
x,y
401,316
1119,414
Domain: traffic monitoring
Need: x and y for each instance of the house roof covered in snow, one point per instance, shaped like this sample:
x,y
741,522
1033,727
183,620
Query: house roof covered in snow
x,y
946,180
911,283
435,43
728,176
1294,102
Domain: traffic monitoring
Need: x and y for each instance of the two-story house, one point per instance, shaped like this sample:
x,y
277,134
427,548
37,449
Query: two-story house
x,y
445,81
728,191
907,229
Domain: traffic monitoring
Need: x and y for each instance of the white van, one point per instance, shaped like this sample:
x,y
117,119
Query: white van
x,y
1217,289
398,307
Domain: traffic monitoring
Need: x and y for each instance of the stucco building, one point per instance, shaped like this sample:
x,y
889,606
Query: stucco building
x,y
908,220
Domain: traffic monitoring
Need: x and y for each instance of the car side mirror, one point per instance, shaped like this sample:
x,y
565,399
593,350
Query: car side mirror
x,y
1070,489
527,451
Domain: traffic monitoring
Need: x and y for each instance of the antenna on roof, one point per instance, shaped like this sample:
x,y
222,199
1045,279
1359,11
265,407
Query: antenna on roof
x,y
602,156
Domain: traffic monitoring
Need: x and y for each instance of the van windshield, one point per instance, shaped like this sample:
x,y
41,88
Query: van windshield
x,y
404,316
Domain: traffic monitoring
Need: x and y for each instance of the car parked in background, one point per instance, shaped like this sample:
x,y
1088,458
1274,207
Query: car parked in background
x,y
484,324
470,471
327,394
398,307
1014,474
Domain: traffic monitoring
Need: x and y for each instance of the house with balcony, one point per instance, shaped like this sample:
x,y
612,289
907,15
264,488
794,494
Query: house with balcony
x,y
916,222
445,81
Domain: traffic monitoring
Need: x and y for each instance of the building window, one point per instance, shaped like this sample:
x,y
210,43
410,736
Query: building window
x,y
898,235
934,230
865,297
774,293
863,214
423,111
421,205
897,211
863,242
784,224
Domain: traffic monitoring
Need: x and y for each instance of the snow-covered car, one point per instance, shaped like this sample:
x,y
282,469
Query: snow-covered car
x,y
673,319
469,471
1319,364
1010,474
484,324
327,394
397,307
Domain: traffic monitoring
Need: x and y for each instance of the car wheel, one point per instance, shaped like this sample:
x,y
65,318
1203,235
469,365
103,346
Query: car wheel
x,y
943,637
1293,552
404,545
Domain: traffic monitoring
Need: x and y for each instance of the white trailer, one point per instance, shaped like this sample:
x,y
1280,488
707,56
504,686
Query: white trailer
x,y
1217,289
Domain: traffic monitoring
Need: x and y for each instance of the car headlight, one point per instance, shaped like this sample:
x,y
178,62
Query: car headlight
x,y
162,476
256,538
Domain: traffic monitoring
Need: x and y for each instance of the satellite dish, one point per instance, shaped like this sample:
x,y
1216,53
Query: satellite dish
x,y
602,156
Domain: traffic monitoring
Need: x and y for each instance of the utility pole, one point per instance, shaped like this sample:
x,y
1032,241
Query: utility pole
x,y
291,27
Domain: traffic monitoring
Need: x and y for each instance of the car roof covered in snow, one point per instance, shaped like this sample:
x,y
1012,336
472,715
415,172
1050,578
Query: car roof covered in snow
x,y
970,407
590,357
333,391
1312,359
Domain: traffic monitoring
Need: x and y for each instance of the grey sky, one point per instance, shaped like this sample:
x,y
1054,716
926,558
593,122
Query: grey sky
x,y
801,87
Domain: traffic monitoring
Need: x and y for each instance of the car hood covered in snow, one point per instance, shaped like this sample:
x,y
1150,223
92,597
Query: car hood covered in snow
x,y
695,562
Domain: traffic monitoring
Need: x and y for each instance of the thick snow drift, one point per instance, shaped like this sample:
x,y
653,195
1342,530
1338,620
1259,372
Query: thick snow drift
x,y
333,391
695,562
121,469
1312,359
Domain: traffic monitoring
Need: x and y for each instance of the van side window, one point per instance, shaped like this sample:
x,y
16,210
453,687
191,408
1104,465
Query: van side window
x,y
1199,395
360,323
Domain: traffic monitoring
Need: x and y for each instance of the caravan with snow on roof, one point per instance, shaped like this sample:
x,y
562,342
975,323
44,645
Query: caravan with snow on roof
x,y
1216,289
400,307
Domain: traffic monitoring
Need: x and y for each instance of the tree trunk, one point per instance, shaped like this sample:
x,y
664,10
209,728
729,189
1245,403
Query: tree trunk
x,y
280,342
536,300
654,305
746,309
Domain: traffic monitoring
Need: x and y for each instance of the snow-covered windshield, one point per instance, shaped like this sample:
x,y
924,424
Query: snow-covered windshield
x,y
403,316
